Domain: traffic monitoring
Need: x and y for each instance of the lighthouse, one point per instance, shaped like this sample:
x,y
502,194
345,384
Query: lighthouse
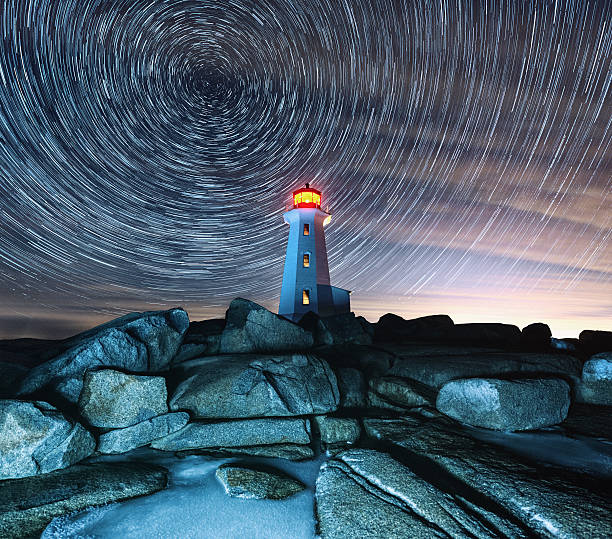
x,y
306,285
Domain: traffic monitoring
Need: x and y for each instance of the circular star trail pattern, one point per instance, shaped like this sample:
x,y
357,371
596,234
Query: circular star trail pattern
x,y
149,148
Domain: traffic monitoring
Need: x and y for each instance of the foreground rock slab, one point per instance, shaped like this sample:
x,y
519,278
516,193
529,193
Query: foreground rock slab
x,y
251,483
137,342
123,440
543,501
248,432
113,400
28,505
244,385
505,404
366,493
36,438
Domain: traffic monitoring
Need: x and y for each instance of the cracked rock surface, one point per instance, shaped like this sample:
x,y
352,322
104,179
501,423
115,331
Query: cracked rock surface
x,y
544,501
36,438
367,493
243,385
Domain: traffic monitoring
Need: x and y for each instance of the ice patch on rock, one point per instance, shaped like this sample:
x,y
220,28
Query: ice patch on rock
x,y
195,505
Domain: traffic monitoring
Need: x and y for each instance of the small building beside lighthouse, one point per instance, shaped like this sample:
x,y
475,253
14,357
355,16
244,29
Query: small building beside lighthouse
x,y
306,285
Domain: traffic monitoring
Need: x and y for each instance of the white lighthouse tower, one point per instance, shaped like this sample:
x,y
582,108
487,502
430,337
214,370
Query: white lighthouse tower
x,y
306,286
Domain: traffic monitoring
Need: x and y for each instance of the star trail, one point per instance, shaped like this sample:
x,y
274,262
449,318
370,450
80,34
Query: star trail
x,y
149,148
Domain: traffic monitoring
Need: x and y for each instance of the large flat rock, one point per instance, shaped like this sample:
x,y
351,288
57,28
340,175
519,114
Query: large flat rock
x,y
227,434
137,342
437,364
28,505
509,405
244,385
542,501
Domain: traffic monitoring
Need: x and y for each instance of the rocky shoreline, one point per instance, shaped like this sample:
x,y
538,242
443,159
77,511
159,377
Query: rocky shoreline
x,y
396,405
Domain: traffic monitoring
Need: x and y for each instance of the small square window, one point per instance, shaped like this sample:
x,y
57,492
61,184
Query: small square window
x,y
305,297
306,260
306,230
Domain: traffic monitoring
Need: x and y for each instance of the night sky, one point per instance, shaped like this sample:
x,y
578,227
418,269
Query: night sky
x,y
149,148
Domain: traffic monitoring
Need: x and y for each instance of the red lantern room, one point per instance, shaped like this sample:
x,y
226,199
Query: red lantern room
x,y
307,197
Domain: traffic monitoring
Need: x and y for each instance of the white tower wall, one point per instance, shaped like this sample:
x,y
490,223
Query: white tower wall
x,y
296,277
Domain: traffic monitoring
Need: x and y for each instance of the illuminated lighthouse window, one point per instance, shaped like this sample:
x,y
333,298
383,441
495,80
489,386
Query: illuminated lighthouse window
x,y
306,260
306,230
305,297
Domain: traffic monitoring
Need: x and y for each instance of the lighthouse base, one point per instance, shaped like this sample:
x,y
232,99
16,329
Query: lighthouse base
x,y
331,300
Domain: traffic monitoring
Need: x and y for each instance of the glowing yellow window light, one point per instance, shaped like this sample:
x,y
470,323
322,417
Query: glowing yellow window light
x,y
305,297
306,260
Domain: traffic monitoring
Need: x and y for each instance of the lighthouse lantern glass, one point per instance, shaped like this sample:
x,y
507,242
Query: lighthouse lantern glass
x,y
307,196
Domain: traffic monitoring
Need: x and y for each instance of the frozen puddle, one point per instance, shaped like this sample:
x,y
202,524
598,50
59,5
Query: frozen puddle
x,y
195,505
